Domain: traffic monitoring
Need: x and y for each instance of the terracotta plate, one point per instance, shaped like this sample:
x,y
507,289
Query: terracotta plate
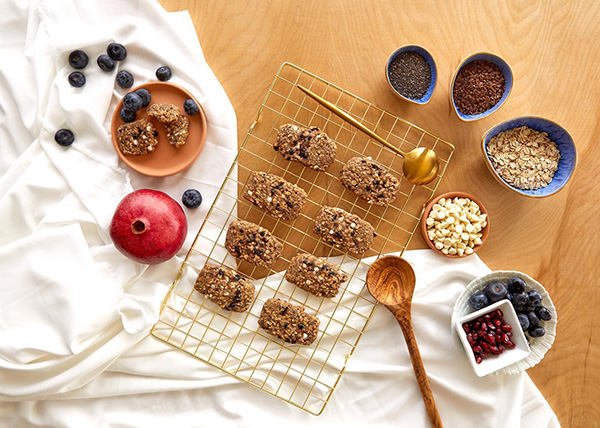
x,y
166,159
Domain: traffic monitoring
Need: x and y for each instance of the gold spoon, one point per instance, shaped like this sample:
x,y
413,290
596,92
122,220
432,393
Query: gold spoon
x,y
391,281
420,164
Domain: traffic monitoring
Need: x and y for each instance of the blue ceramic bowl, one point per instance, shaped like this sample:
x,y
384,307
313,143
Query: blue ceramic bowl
x,y
568,152
508,77
418,49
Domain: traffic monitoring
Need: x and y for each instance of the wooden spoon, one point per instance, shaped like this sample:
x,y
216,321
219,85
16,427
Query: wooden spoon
x,y
391,281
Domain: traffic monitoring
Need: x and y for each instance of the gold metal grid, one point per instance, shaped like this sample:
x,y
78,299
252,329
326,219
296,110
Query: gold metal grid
x,y
304,376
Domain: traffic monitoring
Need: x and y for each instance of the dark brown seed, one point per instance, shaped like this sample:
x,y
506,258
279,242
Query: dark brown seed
x,y
410,74
478,87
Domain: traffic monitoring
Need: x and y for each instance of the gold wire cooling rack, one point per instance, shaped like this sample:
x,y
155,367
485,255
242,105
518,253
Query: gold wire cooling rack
x,y
304,376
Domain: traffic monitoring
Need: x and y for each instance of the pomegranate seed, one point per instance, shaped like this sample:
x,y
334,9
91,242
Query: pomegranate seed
x,y
505,327
485,346
487,318
476,325
490,338
470,339
510,345
466,328
494,350
478,359
491,326
477,349
475,335
497,323
483,327
498,338
509,333
505,338
499,313
501,348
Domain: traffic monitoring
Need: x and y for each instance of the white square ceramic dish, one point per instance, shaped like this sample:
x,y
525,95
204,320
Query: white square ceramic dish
x,y
491,363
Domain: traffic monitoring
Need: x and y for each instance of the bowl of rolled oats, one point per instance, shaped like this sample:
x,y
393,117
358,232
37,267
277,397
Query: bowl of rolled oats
x,y
530,155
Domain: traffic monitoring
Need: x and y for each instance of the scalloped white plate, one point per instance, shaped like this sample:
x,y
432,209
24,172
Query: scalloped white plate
x,y
540,345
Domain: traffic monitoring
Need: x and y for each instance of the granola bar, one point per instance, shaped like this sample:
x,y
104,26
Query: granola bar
x,y
137,138
278,197
344,230
165,113
225,287
315,275
309,146
370,181
288,322
252,243
178,131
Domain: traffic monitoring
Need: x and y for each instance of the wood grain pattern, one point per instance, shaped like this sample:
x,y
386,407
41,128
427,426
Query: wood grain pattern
x,y
552,47
391,280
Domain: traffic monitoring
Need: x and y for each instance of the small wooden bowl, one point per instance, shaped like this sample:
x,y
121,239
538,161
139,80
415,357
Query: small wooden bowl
x,y
451,195
165,160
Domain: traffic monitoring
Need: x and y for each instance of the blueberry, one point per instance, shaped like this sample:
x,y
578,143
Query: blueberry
x,y
163,73
132,101
77,79
106,63
520,299
495,291
543,313
534,321
191,198
524,321
78,59
478,300
64,137
127,115
116,51
521,309
536,331
535,298
190,107
144,95
124,79
516,285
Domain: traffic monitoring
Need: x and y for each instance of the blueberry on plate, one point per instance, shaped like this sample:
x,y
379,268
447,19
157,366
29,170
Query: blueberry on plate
x,y
78,59
523,321
144,95
77,79
543,313
127,115
516,285
535,298
191,198
64,137
105,63
495,291
116,51
190,107
520,299
521,309
538,331
478,300
124,79
132,101
163,73
534,321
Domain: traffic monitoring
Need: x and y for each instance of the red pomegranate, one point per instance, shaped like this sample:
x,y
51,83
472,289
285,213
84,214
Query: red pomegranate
x,y
148,226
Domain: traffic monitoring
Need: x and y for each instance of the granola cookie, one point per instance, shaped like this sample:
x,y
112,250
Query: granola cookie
x,y
344,230
370,181
178,131
288,322
252,243
225,287
165,113
275,195
315,275
309,146
137,138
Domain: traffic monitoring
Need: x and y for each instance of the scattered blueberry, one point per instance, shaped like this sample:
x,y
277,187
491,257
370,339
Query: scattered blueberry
x,y
132,101
524,321
478,300
191,198
144,95
116,51
516,285
535,298
538,331
77,79
78,59
127,115
124,79
495,291
520,309
64,137
534,321
106,63
190,107
163,73
543,313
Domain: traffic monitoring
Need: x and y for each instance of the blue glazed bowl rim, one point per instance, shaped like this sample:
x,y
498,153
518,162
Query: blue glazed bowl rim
x,y
493,109
430,60
495,173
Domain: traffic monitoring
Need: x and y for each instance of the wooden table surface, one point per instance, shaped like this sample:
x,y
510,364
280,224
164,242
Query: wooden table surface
x,y
553,49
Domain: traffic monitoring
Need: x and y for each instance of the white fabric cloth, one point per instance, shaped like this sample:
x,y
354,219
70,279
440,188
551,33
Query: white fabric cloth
x,y
75,313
